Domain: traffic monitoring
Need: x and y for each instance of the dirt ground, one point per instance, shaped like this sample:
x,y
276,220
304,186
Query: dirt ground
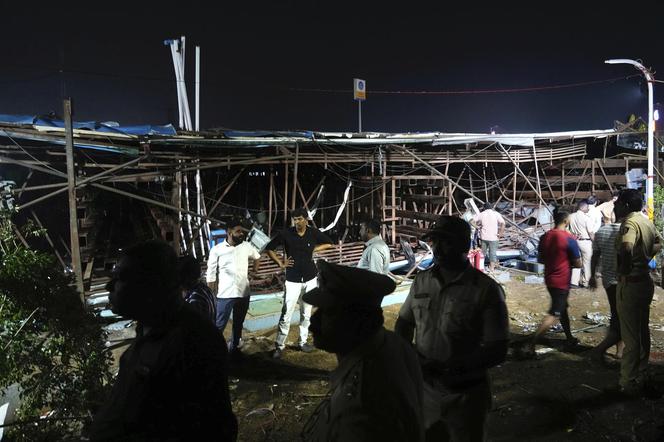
x,y
557,396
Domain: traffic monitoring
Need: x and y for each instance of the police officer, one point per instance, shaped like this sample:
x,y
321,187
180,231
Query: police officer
x,y
459,318
636,245
376,390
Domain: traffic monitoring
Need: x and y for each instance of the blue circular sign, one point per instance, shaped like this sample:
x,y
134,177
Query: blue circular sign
x,y
360,85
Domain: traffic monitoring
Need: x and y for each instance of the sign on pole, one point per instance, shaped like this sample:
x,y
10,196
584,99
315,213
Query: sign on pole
x,y
359,89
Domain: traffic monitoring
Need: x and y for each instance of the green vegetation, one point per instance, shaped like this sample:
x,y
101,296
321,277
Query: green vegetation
x,y
50,346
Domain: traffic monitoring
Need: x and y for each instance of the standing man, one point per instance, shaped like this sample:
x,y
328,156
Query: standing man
x,y
172,384
376,389
581,227
492,226
376,255
196,293
227,276
300,243
604,253
608,216
637,243
594,214
459,319
559,252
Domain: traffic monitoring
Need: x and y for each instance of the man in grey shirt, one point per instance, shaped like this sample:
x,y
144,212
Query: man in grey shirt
x,y
376,257
605,254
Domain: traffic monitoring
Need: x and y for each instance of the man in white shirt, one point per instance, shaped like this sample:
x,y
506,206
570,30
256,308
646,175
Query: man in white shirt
x,y
376,256
227,276
581,226
492,226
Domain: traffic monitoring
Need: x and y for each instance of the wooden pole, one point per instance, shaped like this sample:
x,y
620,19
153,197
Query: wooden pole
x,y
297,157
226,190
269,210
562,179
514,195
48,238
394,211
285,195
71,184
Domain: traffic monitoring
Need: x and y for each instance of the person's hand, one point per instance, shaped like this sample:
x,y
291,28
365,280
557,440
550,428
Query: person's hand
x,y
287,263
592,283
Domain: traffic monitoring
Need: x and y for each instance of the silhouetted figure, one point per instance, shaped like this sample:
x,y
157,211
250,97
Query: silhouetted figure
x,y
459,319
172,384
376,390
196,293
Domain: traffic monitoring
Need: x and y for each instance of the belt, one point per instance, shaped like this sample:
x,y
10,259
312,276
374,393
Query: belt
x,y
584,239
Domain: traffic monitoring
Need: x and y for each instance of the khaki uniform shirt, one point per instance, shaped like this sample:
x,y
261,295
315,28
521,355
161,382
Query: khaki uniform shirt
x,y
580,225
376,395
641,234
453,318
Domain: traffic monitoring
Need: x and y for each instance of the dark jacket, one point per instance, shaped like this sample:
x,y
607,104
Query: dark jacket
x,y
376,395
172,386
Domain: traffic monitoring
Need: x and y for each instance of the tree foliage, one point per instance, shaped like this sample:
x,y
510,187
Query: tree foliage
x,y
49,344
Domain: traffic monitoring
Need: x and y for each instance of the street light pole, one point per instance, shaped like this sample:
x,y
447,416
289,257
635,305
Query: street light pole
x,y
651,127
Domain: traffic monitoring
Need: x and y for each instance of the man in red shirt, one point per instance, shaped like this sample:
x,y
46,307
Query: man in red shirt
x,y
559,252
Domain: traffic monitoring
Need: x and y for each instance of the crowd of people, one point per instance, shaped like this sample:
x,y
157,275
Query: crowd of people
x,y
427,380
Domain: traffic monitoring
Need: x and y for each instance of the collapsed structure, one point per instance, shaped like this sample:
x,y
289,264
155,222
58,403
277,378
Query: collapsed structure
x,y
138,182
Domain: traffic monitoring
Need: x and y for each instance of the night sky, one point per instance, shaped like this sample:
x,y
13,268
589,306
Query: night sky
x,y
260,63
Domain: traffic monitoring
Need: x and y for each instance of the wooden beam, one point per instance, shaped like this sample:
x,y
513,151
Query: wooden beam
x,y
71,186
226,190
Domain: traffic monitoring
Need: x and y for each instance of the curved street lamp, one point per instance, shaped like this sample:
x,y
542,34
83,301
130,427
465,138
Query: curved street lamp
x,y
651,127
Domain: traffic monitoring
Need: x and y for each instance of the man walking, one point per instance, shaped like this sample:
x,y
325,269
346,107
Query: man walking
x,y
637,243
458,317
227,276
559,252
376,389
492,226
581,227
300,243
376,255
604,254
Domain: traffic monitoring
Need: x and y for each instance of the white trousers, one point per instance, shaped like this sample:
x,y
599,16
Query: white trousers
x,y
293,292
586,249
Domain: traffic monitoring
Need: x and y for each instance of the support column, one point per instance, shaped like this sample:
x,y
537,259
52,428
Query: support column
x,y
71,185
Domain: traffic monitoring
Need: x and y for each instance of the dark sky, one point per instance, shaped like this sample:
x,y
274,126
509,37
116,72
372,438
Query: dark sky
x,y
109,57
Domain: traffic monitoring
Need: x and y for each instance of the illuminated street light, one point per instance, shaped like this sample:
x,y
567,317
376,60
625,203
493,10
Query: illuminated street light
x,y
651,127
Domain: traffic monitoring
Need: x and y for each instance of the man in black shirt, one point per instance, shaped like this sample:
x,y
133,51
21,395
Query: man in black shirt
x,y
300,242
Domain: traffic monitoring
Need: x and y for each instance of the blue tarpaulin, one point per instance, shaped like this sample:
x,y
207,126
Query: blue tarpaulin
x,y
107,127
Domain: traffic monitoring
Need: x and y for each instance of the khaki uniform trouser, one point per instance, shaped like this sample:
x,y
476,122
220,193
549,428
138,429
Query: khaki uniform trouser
x,y
586,249
633,301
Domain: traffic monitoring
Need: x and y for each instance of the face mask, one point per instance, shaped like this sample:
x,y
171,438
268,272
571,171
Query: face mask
x,y
237,239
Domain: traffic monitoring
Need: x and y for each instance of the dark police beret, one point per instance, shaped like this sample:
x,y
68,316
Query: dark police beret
x,y
342,286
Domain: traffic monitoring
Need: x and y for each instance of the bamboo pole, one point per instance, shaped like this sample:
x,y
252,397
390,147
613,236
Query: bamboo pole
x,y
269,210
295,167
71,185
